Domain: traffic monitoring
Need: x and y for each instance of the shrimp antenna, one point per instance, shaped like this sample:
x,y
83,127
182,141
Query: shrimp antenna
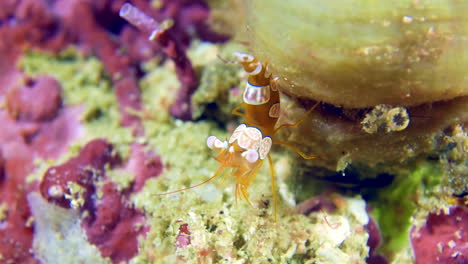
x,y
225,61
218,172
243,42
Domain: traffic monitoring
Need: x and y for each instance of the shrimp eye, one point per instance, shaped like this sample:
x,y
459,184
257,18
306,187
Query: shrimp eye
x,y
244,57
258,68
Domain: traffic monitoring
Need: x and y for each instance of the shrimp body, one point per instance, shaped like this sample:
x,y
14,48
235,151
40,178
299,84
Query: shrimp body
x,y
250,143
261,99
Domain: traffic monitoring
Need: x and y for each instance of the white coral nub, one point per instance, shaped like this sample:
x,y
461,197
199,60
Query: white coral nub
x,y
250,155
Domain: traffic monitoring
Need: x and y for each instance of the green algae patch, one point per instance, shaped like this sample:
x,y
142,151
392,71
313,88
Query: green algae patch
x,y
82,78
217,78
159,89
84,83
122,178
223,230
397,204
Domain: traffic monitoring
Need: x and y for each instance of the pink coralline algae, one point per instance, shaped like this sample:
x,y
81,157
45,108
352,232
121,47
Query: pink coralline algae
x,y
110,223
323,201
144,165
91,35
84,170
174,40
95,27
374,241
183,238
2,167
116,227
28,131
443,239
36,124
38,100
15,235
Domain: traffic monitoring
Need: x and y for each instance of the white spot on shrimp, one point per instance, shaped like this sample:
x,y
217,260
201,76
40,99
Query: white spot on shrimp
x,y
237,132
250,138
220,144
274,111
256,95
265,147
250,155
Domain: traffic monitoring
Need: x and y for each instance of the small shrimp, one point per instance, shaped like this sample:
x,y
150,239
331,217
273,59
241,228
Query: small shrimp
x,y
250,143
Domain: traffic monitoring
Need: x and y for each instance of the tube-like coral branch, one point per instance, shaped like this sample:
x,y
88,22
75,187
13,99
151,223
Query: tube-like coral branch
x,y
167,38
140,20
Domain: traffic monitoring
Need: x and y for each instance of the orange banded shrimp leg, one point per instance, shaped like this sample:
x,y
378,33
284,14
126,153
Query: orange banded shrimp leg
x,y
298,122
241,188
273,187
235,111
295,149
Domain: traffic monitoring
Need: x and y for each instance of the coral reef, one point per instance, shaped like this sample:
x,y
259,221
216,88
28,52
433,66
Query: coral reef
x,y
99,117
454,146
26,134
